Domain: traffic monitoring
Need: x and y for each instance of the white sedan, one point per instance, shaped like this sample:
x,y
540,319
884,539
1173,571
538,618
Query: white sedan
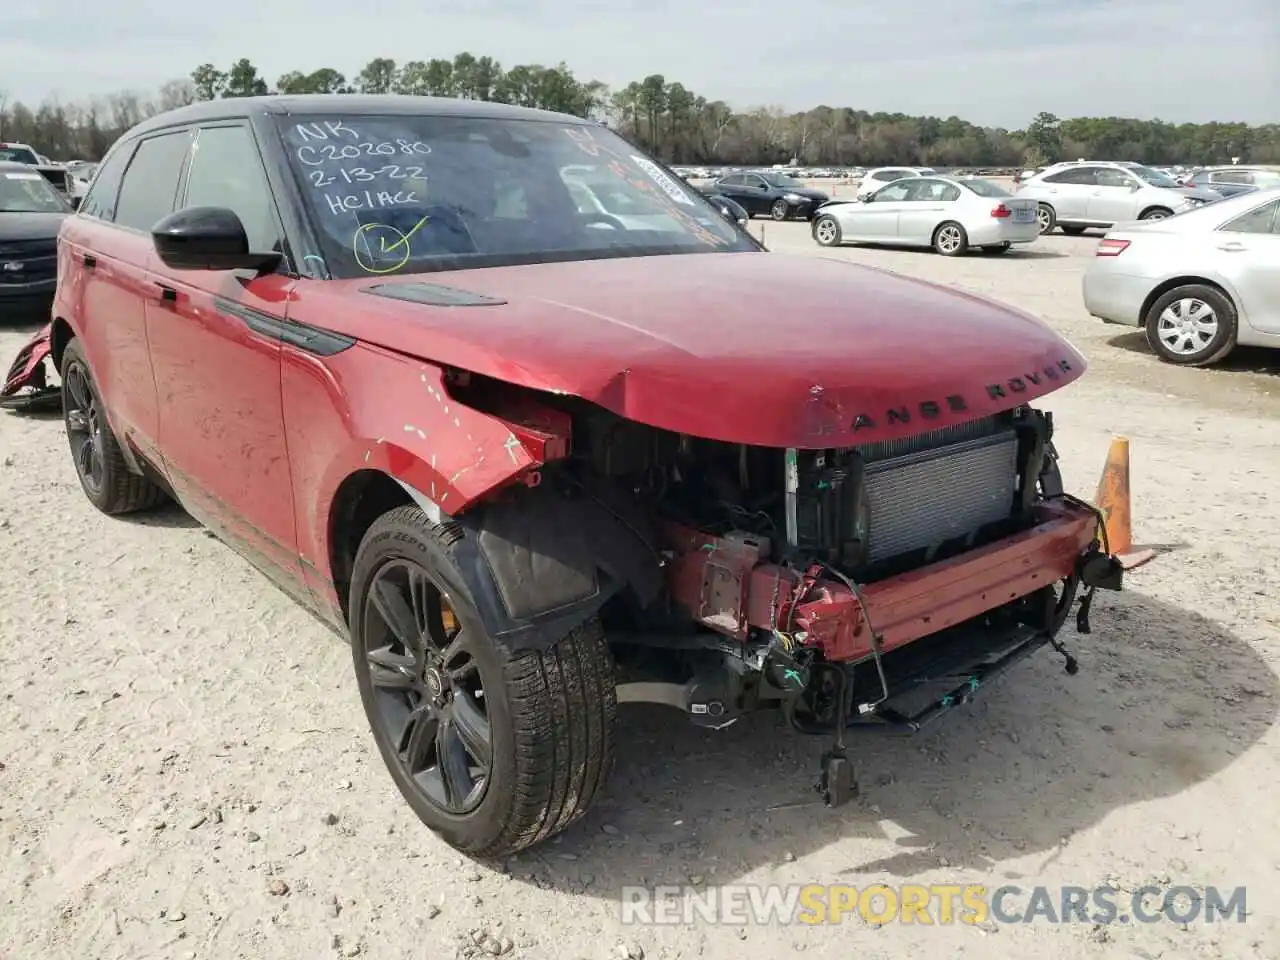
x,y
950,214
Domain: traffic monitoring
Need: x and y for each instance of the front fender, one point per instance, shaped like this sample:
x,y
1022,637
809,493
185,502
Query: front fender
x,y
27,373
369,409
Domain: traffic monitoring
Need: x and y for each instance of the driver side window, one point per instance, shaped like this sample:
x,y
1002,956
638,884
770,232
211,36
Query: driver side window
x,y
893,193
1108,177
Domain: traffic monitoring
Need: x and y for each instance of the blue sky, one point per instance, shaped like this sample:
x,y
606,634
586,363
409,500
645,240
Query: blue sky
x,y
993,62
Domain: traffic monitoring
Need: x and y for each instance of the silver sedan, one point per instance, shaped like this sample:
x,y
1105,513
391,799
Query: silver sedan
x,y
950,214
1199,283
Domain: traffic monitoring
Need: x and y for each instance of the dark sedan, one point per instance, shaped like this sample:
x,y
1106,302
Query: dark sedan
x,y
31,211
766,192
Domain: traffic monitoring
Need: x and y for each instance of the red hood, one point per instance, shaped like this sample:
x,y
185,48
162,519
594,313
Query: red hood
x,y
755,348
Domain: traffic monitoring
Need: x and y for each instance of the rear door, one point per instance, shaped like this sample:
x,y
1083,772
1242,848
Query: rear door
x,y
1248,250
1067,191
215,345
106,257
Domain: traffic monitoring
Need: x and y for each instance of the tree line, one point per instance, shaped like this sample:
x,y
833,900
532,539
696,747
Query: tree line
x,y
667,118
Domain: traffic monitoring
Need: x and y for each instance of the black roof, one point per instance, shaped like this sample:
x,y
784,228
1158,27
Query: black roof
x,y
346,105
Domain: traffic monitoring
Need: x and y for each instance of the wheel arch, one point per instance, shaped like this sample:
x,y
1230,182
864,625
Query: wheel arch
x,y
538,560
61,333
1152,207
1173,283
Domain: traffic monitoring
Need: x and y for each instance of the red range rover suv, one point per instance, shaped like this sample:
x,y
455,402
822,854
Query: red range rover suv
x,y
535,458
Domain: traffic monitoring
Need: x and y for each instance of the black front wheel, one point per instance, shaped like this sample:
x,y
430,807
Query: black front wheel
x,y
495,751
103,472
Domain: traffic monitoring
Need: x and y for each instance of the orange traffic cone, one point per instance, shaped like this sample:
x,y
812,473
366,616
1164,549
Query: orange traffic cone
x,y
1114,502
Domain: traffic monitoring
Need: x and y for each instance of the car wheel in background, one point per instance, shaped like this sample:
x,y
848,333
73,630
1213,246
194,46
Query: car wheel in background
x,y
494,750
781,210
1156,213
826,231
104,474
997,248
1046,218
1192,325
950,240
1074,231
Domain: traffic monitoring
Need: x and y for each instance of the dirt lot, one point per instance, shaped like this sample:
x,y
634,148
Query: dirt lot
x,y
185,770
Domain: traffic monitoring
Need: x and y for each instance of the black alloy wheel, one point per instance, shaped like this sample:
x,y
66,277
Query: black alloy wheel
x,y
84,419
428,692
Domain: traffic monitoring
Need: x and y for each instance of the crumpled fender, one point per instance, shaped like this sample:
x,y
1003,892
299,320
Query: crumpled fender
x,y
25,386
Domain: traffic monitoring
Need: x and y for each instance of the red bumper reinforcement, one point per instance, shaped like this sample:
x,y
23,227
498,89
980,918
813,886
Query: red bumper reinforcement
x,y
724,583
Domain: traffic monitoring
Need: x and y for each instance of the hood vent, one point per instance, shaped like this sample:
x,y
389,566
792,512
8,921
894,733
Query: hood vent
x,y
432,295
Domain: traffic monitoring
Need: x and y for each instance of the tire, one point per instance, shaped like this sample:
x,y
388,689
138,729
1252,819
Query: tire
x,y
1046,218
997,249
1074,231
549,715
950,239
103,472
826,231
1156,213
1191,348
781,210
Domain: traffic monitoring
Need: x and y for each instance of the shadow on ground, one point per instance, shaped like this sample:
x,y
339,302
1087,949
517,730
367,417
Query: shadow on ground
x,y
1039,757
1256,360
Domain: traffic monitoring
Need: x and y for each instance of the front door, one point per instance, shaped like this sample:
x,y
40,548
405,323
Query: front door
x,y
877,216
1112,199
215,347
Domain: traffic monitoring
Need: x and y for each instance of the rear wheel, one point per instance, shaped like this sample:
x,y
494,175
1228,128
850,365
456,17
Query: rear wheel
x,y
1046,218
997,249
826,231
1073,231
1192,325
781,210
950,240
494,751
1156,213
104,474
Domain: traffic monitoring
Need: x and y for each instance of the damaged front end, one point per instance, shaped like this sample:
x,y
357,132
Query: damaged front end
x,y
879,586
26,387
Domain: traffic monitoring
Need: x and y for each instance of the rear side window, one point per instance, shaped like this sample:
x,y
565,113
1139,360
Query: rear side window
x,y
226,171
100,202
151,181
734,180
1261,219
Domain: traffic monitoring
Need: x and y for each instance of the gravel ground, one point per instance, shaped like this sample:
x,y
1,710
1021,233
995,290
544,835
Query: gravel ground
x,y
185,770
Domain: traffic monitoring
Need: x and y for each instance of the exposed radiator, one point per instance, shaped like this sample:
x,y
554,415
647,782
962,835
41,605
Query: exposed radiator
x,y
923,498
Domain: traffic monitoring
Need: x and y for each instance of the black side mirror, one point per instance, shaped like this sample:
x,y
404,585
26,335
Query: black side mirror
x,y
75,202
208,238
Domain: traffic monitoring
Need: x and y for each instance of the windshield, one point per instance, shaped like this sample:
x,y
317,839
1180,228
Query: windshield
x,y
781,180
23,192
1153,177
412,194
19,155
985,188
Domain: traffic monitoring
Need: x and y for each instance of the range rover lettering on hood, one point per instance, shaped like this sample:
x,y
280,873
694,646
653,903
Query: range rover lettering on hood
x,y
933,409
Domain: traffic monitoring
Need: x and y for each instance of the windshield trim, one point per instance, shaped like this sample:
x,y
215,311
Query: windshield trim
x,y
320,244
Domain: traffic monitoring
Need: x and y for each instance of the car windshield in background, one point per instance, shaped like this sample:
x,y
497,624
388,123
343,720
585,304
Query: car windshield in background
x,y
781,180
18,155
985,188
1153,177
23,192
411,194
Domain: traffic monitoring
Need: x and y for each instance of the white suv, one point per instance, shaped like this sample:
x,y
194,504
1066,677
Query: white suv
x,y
1076,196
